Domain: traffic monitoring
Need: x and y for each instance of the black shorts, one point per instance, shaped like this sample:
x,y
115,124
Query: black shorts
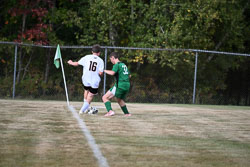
x,y
92,90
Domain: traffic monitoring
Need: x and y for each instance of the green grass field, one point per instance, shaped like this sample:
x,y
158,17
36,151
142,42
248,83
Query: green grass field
x,y
45,133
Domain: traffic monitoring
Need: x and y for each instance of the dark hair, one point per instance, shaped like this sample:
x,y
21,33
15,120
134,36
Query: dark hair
x,y
96,48
115,55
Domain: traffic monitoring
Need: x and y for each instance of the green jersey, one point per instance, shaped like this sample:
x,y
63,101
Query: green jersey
x,y
122,76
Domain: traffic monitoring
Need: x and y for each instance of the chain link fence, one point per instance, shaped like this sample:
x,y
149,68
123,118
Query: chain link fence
x,y
182,76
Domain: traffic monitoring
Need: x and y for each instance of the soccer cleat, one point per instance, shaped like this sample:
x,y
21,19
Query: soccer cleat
x,y
80,112
110,113
127,115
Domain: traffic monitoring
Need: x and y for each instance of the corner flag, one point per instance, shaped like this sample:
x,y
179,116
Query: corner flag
x,y
57,57
57,62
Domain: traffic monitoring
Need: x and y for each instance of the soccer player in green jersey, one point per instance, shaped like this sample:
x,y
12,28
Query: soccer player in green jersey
x,y
121,87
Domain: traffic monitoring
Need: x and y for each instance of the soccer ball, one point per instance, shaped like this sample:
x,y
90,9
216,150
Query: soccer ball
x,y
92,110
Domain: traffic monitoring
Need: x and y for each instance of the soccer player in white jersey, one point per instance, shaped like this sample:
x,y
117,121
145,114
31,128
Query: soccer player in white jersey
x,y
93,67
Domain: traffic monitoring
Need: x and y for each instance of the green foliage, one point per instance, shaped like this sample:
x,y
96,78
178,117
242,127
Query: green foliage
x,y
6,87
208,25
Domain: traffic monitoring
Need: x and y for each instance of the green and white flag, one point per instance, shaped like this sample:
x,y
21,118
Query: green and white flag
x,y
57,57
57,62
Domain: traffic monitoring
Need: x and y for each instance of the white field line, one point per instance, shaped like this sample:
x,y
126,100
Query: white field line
x,y
91,141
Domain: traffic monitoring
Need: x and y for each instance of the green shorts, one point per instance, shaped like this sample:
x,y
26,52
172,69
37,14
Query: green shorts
x,y
118,92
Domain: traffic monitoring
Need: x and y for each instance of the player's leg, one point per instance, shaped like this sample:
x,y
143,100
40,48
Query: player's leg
x,y
106,100
86,89
123,106
86,94
88,100
87,103
121,95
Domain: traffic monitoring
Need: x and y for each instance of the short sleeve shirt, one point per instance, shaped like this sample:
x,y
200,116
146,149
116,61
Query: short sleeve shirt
x,y
92,65
122,75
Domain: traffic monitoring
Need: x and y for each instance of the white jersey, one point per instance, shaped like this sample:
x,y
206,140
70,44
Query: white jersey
x,y
92,65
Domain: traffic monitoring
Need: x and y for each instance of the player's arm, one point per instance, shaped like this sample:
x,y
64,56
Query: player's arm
x,y
100,73
70,62
110,72
101,69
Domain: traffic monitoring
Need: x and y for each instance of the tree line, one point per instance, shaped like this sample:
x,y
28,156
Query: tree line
x,y
219,25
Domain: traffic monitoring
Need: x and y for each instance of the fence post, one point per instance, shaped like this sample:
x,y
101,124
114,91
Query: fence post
x,y
105,67
195,74
14,79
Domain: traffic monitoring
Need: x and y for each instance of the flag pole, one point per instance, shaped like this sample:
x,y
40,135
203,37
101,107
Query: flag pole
x,y
58,55
65,85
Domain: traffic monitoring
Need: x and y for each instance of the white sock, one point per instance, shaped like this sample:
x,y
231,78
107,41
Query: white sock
x,y
85,106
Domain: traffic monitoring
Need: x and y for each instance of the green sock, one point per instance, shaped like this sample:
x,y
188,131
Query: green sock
x,y
124,109
108,106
